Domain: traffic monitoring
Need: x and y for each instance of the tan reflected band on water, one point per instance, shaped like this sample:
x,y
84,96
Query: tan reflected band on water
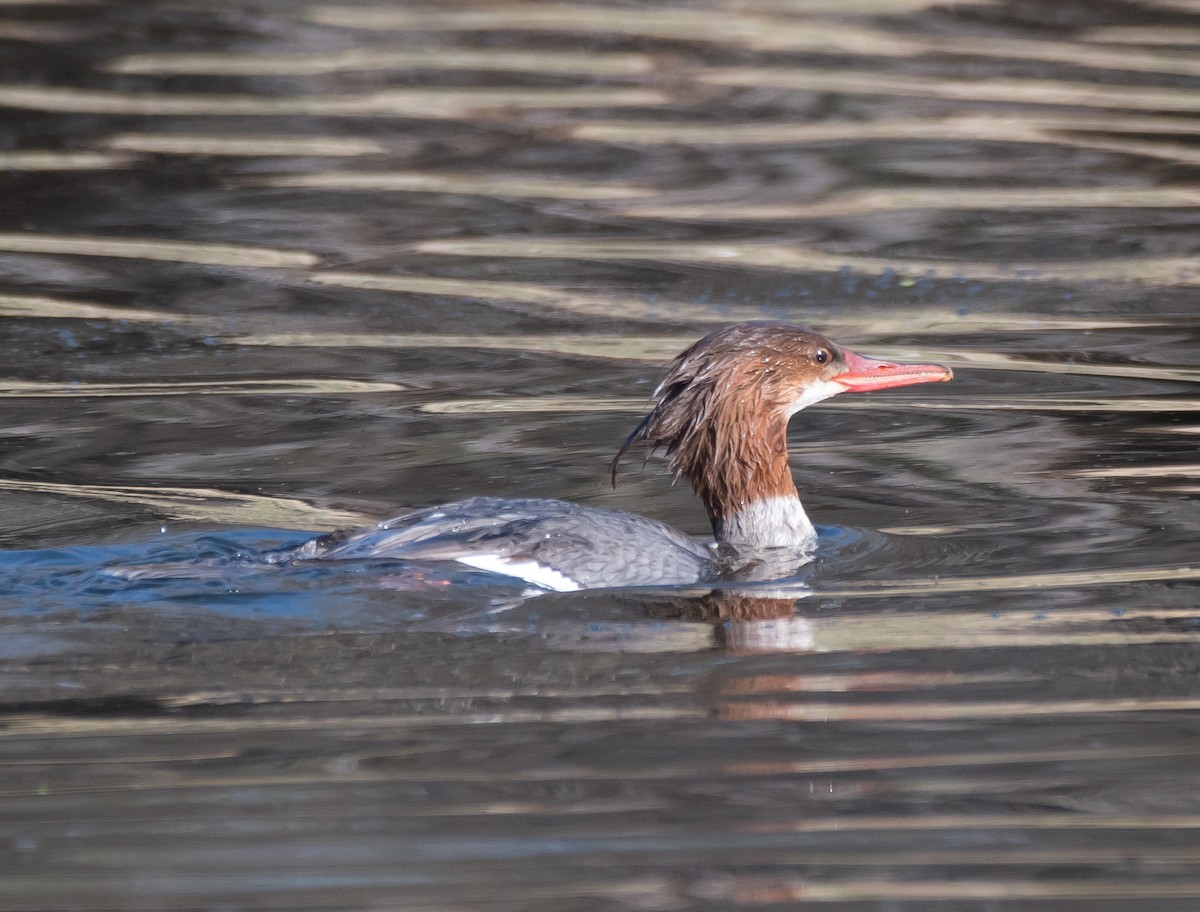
x,y
932,761
678,23
46,32
63,161
748,29
1170,429
67,727
39,307
375,60
146,249
1015,125
614,347
865,682
1066,130
880,321
248,146
1179,270
201,504
527,404
1067,53
903,631
1003,90
563,300
931,712
433,103
1185,37
436,285
749,891
853,7
1033,821
998,855
755,28
499,185
856,203
1019,581
947,529
382,694
34,389
1144,471
866,202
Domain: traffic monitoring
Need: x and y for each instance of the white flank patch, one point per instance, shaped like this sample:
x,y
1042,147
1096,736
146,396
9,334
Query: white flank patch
x,y
529,570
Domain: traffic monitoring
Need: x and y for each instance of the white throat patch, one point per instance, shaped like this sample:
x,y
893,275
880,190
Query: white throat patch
x,y
815,393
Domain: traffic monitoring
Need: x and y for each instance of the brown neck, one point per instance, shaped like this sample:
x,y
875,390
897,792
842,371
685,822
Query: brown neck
x,y
732,463
733,452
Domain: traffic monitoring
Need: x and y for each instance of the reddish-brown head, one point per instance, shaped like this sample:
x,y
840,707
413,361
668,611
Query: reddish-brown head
x,y
722,411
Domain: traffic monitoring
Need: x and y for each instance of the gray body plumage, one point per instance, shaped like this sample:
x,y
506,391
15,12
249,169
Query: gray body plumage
x,y
552,543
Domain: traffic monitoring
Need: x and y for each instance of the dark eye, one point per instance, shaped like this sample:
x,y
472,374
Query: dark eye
x,y
820,356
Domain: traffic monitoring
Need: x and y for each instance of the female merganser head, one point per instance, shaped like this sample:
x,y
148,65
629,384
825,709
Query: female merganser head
x,y
722,414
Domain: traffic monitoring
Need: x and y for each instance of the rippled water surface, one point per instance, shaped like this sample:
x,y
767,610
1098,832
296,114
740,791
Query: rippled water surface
x,y
269,268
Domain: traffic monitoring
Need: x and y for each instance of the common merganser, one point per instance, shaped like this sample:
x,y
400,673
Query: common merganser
x,y
721,415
